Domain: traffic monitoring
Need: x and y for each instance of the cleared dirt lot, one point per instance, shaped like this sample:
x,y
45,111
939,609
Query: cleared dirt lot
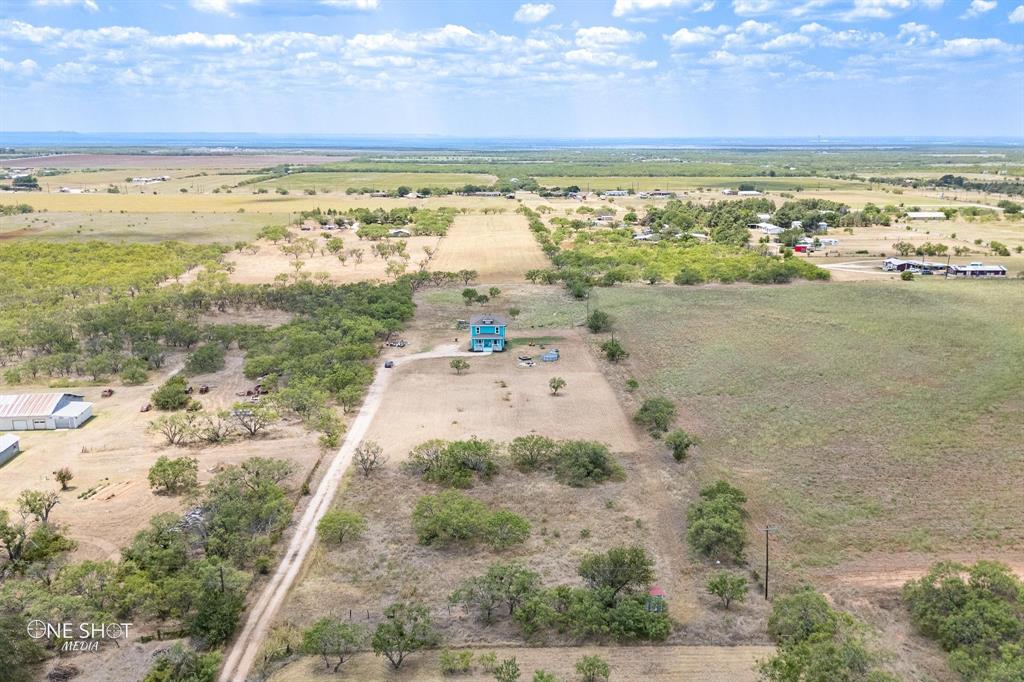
x,y
658,664
114,450
499,247
268,261
427,400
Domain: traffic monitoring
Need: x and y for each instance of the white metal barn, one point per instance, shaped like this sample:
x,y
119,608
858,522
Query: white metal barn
x,y
43,411
10,445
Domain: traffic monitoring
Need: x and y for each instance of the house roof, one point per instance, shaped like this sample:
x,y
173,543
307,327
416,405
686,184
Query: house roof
x,y
7,440
30,404
656,591
487,336
74,409
488,318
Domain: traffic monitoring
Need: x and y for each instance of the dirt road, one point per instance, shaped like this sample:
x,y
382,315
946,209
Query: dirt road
x,y
246,646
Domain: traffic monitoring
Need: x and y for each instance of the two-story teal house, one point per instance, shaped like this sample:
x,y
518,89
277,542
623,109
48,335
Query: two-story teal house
x,y
487,332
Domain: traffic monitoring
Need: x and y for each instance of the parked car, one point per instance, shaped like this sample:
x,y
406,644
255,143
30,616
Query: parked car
x,y
388,364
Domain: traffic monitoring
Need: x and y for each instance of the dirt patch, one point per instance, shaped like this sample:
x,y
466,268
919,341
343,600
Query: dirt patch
x,y
500,248
654,664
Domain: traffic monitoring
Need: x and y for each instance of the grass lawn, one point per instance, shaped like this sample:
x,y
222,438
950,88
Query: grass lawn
x,y
187,227
858,416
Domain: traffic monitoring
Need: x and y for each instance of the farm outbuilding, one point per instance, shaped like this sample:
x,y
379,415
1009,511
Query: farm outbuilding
x,y
926,215
10,445
977,270
43,411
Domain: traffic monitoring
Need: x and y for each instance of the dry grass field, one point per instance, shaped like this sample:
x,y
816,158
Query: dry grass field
x,y
340,181
168,161
628,664
499,247
137,227
113,451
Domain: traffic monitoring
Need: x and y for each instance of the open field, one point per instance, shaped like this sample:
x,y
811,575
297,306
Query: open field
x,y
339,181
499,247
859,417
114,450
679,182
656,664
188,227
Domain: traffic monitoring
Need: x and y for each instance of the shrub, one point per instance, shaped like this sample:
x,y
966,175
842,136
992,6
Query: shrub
x,y
530,453
336,525
133,373
455,662
172,395
507,671
556,384
184,663
688,277
728,587
593,669
206,359
599,321
330,638
451,517
715,526
408,628
613,350
583,463
656,415
453,463
680,442
974,612
174,475
907,276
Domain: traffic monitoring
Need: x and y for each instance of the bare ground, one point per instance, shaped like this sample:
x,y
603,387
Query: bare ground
x,y
499,247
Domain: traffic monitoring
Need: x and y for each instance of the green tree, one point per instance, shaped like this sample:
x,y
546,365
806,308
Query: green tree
x,y
459,365
903,248
680,442
369,456
331,638
503,528
254,418
38,504
599,321
408,629
336,525
469,296
180,663
533,452
656,415
582,463
556,384
613,350
205,359
728,587
173,476
494,292
172,395
620,570
63,476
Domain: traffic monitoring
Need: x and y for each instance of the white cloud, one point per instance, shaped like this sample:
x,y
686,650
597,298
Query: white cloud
x,y
599,57
1017,15
979,7
20,31
696,37
748,31
626,7
787,41
875,9
87,4
219,41
226,7
971,47
358,5
913,33
531,13
603,36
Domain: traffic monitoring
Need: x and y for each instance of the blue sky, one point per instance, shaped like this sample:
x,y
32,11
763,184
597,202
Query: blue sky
x,y
599,68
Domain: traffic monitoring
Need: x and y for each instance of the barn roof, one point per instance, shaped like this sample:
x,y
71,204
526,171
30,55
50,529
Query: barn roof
x,y
656,591
31,404
7,440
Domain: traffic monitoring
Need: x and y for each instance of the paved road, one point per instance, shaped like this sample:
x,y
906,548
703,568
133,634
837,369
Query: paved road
x,y
261,614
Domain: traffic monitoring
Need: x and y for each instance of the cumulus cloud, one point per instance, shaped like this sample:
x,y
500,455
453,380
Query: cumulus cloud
x,y
971,47
604,58
913,33
787,41
979,7
86,4
219,41
531,13
1017,15
604,36
686,38
358,5
14,30
226,7
626,7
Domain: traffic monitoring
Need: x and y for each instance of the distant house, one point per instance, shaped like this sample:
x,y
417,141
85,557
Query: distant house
x,y
487,194
615,193
729,192
766,228
10,445
926,215
828,241
487,332
399,233
748,193
378,195
764,217
43,411
796,225
645,237
901,265
977,270
661,194
656,599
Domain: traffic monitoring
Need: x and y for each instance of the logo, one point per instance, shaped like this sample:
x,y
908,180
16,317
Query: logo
x,y
78,636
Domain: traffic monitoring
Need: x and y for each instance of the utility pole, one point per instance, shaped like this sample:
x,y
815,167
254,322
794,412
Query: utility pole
x,y
766,530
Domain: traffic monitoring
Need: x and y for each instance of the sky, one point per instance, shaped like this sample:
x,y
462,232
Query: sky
x,y
490,68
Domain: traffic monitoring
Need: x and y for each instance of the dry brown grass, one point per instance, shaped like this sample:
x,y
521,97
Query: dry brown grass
x,y
499,247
